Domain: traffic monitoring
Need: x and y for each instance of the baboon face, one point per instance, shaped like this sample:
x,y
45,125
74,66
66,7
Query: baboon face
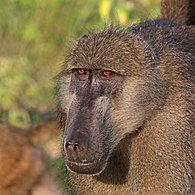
x,y
107,90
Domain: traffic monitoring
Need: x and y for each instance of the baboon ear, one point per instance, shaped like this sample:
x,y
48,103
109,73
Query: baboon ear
x,y
83,38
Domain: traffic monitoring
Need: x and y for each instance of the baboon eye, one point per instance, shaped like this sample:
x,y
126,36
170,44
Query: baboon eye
x,y
106,73
81,71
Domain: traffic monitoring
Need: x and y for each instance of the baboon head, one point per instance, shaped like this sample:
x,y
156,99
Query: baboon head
x,y
110,87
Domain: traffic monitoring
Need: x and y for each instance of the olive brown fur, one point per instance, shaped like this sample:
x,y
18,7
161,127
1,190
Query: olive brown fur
x,y
129,96
179,11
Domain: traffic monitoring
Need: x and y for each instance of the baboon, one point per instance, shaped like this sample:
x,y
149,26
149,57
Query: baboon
x,y
23,163
129,95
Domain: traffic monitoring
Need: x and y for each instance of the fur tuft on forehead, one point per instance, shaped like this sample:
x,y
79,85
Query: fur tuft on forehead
x,y
111,49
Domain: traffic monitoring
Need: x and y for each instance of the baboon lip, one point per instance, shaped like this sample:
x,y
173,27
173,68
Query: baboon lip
x,y
90,168
81,164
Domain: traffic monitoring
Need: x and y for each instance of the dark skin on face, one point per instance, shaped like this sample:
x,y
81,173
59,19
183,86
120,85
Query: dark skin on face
x,y
105,76
97,79
86,119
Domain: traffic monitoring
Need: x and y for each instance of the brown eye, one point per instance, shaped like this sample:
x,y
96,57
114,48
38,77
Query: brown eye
x,y
81,71
106,73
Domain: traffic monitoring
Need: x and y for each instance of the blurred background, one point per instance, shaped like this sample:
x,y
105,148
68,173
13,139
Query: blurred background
x,y
34,36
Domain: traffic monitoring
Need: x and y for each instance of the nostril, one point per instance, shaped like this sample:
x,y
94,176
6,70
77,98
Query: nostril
x,y
68,145
78,147
74,147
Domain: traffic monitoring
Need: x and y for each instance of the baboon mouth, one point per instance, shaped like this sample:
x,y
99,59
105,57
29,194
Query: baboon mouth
x,y
90,168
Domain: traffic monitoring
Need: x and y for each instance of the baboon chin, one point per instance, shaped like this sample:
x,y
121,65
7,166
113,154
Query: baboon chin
x,y
90,168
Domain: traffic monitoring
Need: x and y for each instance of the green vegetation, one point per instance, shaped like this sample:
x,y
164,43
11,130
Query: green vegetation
x,y
60,174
